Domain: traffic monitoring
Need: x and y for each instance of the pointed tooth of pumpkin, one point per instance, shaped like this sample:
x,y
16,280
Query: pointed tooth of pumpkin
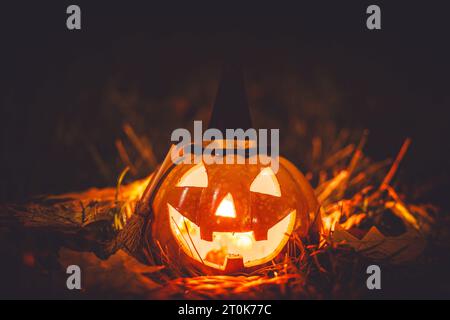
x,y
234,263
260,235
206,234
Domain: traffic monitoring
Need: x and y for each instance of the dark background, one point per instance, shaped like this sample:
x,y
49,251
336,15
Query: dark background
x,y
65,95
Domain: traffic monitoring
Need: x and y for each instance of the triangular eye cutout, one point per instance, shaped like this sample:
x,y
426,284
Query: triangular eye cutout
x,y
266,182
195,177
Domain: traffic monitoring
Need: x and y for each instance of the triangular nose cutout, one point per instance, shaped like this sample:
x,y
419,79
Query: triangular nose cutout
x,y
226,207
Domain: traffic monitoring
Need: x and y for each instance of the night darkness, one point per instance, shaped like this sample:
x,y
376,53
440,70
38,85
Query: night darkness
x,y
65,95
393,81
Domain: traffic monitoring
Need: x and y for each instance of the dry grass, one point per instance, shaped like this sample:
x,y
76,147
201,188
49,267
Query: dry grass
x,y
355,193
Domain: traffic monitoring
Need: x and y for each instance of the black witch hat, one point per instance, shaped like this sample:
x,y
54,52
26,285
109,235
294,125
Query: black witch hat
x,y
231,110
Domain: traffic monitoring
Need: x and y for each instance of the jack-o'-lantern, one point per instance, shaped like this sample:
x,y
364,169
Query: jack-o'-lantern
x,y
228,218
231,217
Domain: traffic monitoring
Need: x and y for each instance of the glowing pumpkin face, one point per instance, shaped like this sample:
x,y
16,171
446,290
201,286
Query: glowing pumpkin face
x,y
231,217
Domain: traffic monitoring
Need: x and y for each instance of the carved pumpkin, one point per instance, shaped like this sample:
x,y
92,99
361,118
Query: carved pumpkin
x,y
227,218
231,217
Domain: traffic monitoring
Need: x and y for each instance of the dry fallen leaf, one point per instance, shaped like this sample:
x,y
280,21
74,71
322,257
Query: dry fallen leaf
x,y
377,246
119,273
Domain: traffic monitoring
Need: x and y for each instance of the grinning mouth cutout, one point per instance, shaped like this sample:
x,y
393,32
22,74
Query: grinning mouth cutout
x,y
230,250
